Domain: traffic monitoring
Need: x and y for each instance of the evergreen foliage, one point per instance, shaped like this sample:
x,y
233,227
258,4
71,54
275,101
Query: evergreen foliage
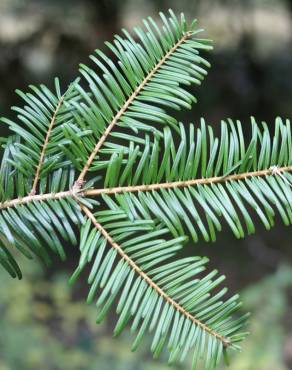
x,y
108,158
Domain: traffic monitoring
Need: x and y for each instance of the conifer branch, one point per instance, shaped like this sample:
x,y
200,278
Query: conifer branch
x,y
159,188
46,142
149,281
187,183
143,188
125,107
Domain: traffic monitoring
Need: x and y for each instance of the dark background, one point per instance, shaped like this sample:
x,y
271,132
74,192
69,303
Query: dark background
x,y
45,323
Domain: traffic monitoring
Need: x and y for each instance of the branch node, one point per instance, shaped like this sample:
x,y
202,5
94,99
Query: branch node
x,y
76,190
276,171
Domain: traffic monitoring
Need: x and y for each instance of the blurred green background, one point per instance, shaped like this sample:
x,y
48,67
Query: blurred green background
x,y
45,324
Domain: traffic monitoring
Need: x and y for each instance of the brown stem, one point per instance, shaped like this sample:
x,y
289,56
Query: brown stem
x,y
124,108
42,156
35,198
144,276
130,189
186,183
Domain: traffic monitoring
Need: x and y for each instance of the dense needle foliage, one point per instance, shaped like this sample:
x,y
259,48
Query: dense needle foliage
x,y
107,157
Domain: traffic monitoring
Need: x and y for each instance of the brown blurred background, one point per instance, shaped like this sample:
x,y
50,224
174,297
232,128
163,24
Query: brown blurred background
x,y
44,323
